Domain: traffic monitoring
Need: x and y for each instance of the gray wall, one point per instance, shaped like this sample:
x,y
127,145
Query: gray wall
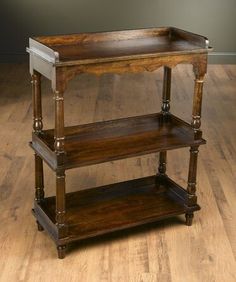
x,y
20,19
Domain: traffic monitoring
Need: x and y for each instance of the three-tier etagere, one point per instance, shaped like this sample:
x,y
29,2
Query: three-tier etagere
x,y
74,216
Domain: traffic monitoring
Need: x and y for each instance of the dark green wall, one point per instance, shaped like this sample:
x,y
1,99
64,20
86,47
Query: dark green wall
x,y
20,19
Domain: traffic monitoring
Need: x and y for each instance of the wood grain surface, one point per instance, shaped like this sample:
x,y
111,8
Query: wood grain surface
x,y
105,209
124,44
99,142
165,251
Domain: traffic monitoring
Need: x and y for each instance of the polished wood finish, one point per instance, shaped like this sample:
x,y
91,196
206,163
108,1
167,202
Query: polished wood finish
x,y
37,127
165,111
60,211
115,139
61,58
39,181
129,203
166,90
37,102
125,44
196,123
59,123
161,251
191,188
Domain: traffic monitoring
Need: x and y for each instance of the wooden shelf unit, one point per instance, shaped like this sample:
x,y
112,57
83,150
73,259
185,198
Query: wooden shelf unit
x,y
74,216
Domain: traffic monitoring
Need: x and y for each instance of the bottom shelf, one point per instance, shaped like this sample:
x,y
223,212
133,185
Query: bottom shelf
x,y
114,207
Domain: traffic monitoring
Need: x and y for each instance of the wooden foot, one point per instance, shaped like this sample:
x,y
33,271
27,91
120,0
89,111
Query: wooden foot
x,y
189,219
61,251
40,227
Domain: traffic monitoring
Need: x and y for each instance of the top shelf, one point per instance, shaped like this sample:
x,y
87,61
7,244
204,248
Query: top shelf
x,y
86,48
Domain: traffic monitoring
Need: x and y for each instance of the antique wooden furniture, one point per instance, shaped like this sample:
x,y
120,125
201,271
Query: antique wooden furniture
x,y
74,216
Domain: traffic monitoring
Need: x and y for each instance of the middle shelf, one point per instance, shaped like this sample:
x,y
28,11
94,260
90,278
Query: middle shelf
x,y
99,142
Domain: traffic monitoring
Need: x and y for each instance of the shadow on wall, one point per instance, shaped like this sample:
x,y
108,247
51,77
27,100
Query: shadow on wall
x,y
20,19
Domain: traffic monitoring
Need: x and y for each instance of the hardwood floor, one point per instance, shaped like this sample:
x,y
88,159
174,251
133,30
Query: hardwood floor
x,y
165,251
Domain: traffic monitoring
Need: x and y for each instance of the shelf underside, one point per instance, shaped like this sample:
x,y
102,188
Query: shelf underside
x,y
116,139
117,206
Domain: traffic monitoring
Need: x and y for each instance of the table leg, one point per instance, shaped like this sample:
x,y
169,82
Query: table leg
x,y
59,123
165,110
60,210
191,188
61,250
60,173
37,127
196,123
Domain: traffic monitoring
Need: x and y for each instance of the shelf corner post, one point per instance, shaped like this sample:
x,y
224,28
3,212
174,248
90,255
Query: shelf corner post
x,y
59,122
36,101
37,128
59,147
166,90
61,210
59,86
191,187
199,70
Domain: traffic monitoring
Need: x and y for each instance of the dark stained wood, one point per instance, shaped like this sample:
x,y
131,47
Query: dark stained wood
x,y
69,217
61,251
166,91
192,174
37,102
111,140
37,128
197,102
60,211
165,110
39,181
118,206
196,123
162,162
95,37
116,52
60,204
179,34
59,123
98,47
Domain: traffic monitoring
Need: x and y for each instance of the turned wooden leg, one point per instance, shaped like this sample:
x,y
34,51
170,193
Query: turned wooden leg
x,y
162,163
39,179
37,128
59,123
191,188
199,71
189,218
60,211
165,111
61,250
37,102
40,227
60,173
61,204
166,91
